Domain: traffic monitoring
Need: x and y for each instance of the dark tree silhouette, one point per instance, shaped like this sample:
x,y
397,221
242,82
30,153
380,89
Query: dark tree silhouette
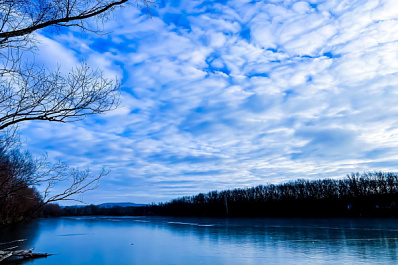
x,y
37,95
370,194
20,174
31,92
22,17
373,194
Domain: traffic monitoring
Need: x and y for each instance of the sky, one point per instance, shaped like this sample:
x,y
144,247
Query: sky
x,y
231,94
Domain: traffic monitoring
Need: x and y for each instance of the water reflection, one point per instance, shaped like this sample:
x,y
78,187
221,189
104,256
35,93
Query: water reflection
x,y
130,240
325,240
29,231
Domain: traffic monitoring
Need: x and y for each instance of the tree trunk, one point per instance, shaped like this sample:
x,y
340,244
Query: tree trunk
x,y
11,253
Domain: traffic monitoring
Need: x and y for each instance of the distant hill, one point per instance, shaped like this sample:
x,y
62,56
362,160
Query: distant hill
x,y
119,204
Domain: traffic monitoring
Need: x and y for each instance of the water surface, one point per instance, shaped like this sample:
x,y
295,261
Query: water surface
x,y
178,241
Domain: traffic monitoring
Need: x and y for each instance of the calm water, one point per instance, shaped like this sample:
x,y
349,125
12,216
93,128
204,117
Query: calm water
x,y
162,241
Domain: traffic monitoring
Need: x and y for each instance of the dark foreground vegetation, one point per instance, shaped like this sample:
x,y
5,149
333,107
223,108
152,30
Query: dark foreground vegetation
x,y
31,92
19,198
367,195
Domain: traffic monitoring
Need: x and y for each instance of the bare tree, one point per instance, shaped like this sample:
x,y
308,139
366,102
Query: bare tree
x,y
20,18
20,174
36,95
31,92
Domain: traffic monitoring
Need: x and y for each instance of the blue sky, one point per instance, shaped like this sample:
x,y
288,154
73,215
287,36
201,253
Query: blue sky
x,y
231,94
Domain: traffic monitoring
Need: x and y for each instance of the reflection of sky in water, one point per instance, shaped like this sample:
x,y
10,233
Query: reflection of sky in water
x,y
131,240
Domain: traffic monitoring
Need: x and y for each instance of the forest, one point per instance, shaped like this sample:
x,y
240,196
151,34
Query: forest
x,y
372,194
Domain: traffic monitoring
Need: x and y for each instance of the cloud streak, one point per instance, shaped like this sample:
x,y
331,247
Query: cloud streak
x,y
228,94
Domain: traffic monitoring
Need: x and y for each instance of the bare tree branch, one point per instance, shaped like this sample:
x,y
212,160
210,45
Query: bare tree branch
x,y
39,95
41,22
20,18
20,173
30,92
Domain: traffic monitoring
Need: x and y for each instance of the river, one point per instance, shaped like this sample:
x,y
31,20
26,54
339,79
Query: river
x,y
191,241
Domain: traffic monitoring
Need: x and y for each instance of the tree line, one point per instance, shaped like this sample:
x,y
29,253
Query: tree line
x,y
372,194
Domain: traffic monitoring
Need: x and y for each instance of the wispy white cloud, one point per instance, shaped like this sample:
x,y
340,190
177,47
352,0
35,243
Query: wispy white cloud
x,y
230,94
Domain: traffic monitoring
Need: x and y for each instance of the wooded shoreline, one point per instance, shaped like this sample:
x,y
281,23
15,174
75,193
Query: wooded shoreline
x,y
368,195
